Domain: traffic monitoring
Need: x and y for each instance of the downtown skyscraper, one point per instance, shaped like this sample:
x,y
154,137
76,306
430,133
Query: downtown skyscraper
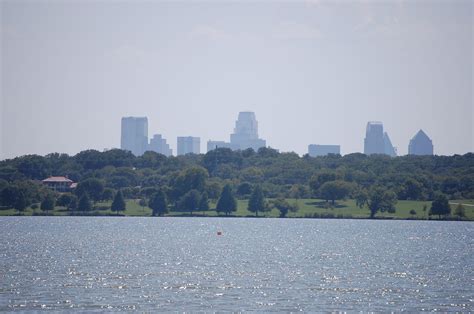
x,y
245,134
134,135
377,141
188,145
420,144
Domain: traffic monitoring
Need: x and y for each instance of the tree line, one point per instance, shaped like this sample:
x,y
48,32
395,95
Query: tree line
x,y
187,183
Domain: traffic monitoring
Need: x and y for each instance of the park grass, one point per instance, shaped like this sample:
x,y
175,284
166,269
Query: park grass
x,y
306,208
465,202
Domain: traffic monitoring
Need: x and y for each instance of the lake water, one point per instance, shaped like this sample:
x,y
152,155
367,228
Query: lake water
x,y
162,264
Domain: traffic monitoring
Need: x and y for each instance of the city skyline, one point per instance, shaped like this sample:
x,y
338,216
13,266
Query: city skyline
x,y
71,70
134,137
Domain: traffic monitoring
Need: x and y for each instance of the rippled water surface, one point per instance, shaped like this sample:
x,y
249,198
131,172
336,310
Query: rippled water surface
x,y
257,264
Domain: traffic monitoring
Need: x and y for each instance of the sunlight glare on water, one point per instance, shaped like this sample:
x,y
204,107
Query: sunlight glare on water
x,y
96,263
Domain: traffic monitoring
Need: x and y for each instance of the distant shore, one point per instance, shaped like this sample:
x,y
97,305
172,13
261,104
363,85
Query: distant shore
x,y
307,208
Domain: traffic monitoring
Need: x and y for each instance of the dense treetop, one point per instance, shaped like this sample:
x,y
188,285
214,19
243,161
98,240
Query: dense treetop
x,y
278,174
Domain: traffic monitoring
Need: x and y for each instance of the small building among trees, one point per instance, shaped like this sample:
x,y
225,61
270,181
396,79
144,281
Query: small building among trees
x,y
59,184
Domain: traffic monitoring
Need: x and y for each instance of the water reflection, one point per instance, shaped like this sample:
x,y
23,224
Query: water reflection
x,y
257,264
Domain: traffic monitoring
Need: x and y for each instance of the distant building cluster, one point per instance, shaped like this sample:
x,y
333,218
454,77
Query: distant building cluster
x,y
245,135
378,142
135,139
315,150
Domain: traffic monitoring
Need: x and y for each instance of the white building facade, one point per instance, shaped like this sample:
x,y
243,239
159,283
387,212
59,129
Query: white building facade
x,y
188,145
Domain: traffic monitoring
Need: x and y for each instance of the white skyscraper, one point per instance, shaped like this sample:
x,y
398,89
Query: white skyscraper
x,y
134,135
188,145
158,144
246,133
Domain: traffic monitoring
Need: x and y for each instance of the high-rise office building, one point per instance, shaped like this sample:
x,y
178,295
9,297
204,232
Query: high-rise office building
x,y
246,133
377,141
420,144
158,144
388,147
373,142
134,135
315,150
188,145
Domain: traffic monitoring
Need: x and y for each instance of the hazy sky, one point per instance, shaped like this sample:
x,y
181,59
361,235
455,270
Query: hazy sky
x,y
314,72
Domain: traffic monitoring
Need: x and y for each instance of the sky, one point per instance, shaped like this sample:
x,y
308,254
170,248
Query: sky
x,y
314,72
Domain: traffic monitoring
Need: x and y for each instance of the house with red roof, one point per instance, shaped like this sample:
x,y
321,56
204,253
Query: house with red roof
x,y
59,184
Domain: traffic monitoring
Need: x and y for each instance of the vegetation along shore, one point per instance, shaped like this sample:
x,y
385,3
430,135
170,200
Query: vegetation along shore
x,y
239,184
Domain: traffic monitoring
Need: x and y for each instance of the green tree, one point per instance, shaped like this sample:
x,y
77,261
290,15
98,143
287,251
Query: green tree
x,y
440,206
244,189
284,207
9,195
381,200
94,188
204,202
64,199
361,197
318,179
460,211
257,201
72,206
33,166
118,205
193,178
214,188
21,202
227,202
108,194
298,191
48,203
20,194
412,189
142,203
217,157
335,190
190,201
158,203
84,204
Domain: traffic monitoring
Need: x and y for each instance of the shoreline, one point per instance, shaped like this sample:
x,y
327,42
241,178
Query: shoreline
x,y
245,217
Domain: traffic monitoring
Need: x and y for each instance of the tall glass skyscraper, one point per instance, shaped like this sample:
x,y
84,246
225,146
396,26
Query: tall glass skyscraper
x,y
189,145
377,141
420,144
134,135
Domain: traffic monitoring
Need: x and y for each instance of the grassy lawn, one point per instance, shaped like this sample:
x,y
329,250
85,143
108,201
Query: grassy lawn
x,y
465,202
307,207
